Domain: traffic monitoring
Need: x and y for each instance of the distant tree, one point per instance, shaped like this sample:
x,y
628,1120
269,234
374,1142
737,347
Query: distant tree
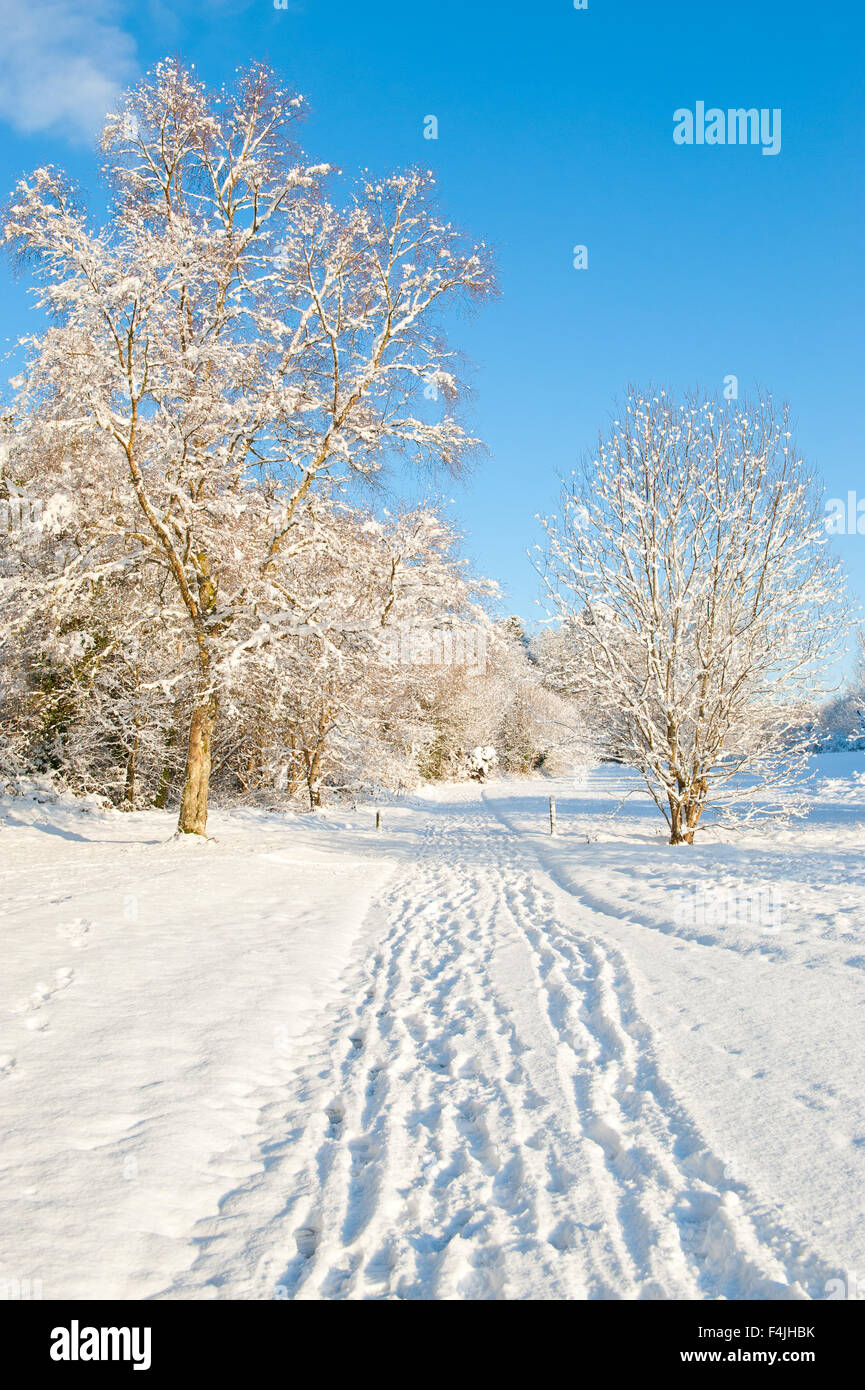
x,y
699,601
840,723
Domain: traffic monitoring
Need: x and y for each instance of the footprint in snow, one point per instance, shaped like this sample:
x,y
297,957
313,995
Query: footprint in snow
x,y
6,1064
75,932
42,993
335,1113
307,1241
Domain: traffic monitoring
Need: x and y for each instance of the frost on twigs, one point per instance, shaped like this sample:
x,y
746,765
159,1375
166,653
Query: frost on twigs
x,y
234,344
699,604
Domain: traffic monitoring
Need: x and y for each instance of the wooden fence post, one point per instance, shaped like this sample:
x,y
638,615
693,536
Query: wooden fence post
x,y
552,815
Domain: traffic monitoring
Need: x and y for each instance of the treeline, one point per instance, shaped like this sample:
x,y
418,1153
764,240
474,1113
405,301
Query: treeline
x,y
388,667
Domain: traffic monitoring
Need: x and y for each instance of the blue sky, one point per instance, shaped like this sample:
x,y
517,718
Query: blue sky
x,y
555,129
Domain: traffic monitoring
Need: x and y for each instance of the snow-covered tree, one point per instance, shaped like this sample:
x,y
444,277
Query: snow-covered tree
x,y
698,599
227,344
501,701
97,683
840,723
336,700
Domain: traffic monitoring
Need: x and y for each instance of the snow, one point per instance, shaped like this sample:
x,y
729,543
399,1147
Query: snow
x,y
455,1058
155,996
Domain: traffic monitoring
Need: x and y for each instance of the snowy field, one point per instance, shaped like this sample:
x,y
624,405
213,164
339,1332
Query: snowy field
x,y
455,1059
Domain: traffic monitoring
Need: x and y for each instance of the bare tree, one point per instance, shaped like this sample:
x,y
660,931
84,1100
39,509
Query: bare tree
x,y
699,600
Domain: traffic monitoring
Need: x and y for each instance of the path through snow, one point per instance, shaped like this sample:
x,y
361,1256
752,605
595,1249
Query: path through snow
x,y
490,1096
485,1117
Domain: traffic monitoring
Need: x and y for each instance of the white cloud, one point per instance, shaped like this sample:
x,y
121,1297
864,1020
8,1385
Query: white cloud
x,y
64,63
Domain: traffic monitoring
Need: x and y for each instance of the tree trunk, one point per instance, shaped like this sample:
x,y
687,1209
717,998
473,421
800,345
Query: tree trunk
x,y
193,805
313,784
162,790
679,835
130,774
684,819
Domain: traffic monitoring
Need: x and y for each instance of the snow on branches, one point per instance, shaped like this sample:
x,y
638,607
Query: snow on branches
x,y
698,600
228,347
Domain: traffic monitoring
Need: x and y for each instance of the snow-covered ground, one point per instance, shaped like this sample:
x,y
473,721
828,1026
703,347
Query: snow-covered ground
x,y
455,1059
